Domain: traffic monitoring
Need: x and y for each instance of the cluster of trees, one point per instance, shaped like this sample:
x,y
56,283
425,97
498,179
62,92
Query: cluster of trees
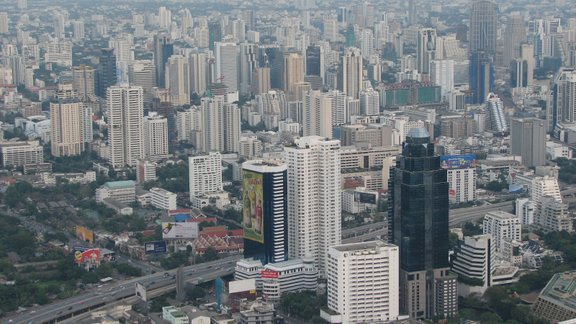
x,y
182,258
567,170
14,238
127,270
304,305
173,178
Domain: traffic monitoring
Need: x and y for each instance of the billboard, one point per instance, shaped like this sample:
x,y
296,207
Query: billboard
x,y
252,206
463,161
365,197
237,286
179,230
84,234
268,274
87,257
141,291
157,247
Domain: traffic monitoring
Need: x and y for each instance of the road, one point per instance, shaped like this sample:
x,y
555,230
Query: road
x,y
112,292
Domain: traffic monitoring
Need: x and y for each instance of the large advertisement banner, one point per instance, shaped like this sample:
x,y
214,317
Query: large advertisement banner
x,y
87,257
463,161
253,209
179,230
155,247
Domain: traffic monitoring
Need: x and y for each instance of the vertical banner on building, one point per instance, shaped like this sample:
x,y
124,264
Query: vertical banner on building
x,y
253,206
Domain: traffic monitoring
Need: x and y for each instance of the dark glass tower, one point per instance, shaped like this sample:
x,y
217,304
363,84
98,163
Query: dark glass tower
x,y
418,224
163,49
481,73
106,71
265,211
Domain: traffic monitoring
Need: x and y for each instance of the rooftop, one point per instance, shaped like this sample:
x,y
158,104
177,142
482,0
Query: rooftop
x,y
120,184
363,246
561,290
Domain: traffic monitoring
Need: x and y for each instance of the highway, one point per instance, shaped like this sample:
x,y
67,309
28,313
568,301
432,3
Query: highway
x,y
112,292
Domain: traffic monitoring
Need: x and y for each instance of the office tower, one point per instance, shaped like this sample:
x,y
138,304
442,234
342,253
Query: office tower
x,y
483,27
369,273
564,101
66,128
369,102
125,125
293,74
503,226
315,61
528,139
514,37
205,173
475,258
186,22
426,49
314,200
4,22
527,55
78,30
142,73
198,63
83,78
418,224
163,49
495,119
265,211
221,125
227,64
106,71
352,72
518,73
248,64
442,74
481,74
317,113
412,13
261,80
177,80
164,18
367,46
155,137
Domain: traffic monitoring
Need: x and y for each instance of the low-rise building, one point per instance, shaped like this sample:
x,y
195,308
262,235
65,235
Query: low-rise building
x,y
163,199
19,153
174,315
557,301
121,191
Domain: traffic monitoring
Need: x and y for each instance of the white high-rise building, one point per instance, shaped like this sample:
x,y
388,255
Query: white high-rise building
x,y
442,74
462,184
545,186
426,51
525,209
369,102
177,80
4,22
503,226
367,43
197,63
164,18
352,72
156,137
221,125
125,121
142,73
205,173
475,258
317,113
188,123
248,64
78,30
314,199
340,107
186,21
363,283
67,128
227,64
553,215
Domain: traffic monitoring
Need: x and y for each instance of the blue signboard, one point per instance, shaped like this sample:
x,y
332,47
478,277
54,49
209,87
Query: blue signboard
x,y
463,161
155,247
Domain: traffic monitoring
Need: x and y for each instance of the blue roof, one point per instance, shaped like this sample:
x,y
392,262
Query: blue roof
x,y
181,217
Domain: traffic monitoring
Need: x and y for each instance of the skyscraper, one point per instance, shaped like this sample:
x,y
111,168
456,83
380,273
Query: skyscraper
x,y
227,64
265,209
426,51
155,137
314,200
177,80
125,121
163,49
442,74
352,72
495,119
418,224
83,80
67,128
106,71
317,113
142,73
221,125
481,74
528,139
514,36
197,63
294,70
564,101
483,27
248,64
369,102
